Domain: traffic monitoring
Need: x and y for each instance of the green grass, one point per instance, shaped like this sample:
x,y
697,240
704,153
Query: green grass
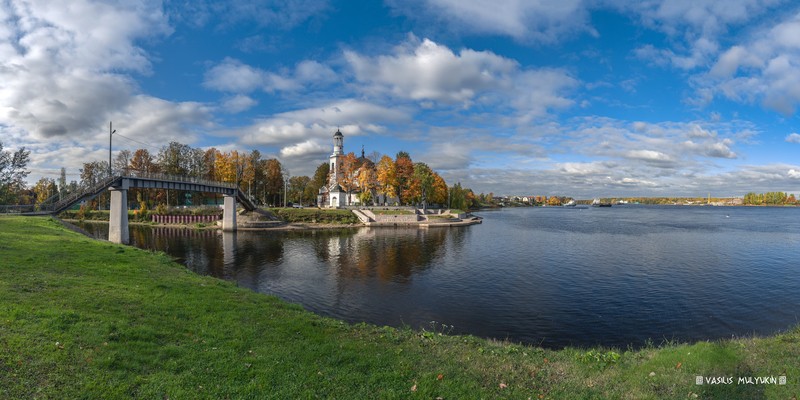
x,y
316,215
392,212
81,318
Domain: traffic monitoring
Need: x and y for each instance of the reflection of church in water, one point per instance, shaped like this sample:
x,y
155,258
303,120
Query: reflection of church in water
x,y
333,194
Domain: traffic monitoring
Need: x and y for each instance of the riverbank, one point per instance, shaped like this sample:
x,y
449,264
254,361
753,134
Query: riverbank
x,y
81,318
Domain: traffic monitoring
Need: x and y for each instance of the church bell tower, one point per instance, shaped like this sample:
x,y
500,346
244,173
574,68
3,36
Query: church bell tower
x,y
336,157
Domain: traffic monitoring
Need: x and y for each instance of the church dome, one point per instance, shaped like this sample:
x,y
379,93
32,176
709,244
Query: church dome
x,y
338,133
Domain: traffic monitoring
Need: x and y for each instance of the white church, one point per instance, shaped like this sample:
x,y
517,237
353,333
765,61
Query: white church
x,y
332,195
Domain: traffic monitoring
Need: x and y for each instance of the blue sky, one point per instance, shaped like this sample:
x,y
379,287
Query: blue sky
x,y
579,98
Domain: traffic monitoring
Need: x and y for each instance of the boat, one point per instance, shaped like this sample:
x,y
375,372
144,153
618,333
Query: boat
x,y
570,203
598,203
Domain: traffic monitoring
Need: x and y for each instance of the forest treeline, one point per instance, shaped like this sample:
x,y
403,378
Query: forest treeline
x,y
265,180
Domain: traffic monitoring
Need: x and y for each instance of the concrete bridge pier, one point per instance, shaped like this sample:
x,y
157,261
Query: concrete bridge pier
x,y
229,213
118,216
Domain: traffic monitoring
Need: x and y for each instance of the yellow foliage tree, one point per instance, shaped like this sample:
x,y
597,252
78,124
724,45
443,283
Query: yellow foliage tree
x,y
387,177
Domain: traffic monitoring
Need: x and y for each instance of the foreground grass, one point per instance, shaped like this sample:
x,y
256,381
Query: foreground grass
x,y
86,319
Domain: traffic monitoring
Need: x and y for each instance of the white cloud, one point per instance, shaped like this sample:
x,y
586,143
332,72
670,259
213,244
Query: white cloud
x,y
353,117
61,66
534,21
238,103
309,147
232,75
793,138
793,173
66,71
428,71
425,71
764,68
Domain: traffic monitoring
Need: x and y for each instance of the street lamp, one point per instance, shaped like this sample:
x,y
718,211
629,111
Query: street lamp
x,y
110,133
285,186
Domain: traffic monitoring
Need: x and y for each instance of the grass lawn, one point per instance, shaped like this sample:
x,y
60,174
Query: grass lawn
x,y
81,318
392,212
316,215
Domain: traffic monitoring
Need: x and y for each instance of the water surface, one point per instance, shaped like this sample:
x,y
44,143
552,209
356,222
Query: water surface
x,y
545,276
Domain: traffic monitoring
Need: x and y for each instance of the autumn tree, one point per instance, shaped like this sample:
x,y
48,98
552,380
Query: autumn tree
x,y
44,189
174,159
347,177
366,183
142,161
122,162
273,181
404,174
91,174
554,201
421,185
251,173
439,190
386,177
210,164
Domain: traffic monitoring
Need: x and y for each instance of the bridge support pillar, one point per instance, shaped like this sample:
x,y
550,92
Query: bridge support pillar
x,y
118,217
229,214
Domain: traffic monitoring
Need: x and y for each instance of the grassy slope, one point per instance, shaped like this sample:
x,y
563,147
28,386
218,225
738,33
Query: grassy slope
x,y
86,319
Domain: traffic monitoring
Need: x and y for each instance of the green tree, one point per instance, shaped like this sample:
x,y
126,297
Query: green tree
x,y
297,189
12,173
422,184
62,183
319,180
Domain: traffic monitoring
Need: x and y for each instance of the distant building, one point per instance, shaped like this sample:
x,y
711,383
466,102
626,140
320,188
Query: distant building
x,y
332,194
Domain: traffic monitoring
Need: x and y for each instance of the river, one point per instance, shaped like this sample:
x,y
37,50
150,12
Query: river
x,y
620,276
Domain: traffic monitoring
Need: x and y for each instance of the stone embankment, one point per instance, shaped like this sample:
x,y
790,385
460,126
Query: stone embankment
x,y
417,217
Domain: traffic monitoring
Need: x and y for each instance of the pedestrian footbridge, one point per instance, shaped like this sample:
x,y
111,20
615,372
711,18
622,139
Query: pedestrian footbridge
x,y
119,185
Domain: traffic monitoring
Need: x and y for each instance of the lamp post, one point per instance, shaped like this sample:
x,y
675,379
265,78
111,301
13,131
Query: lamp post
x,y
110,133
285,186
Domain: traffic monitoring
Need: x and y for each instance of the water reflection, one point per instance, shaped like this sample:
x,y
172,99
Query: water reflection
x,y
388,254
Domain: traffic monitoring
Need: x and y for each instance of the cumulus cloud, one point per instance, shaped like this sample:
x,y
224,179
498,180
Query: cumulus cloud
x,y
61,65
793,138
764,68
427,71
66,71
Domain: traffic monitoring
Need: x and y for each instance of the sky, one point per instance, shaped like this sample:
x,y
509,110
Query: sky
x,y
582,98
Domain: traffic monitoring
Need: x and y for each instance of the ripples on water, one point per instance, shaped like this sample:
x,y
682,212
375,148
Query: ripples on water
x,y
552,276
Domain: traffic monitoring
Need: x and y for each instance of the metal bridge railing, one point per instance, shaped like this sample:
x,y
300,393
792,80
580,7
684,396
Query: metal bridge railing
x,y
93,190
